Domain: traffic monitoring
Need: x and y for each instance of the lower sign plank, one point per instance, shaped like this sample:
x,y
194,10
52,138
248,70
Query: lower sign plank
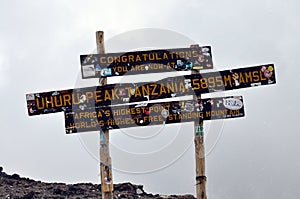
x,y
97,96
116,117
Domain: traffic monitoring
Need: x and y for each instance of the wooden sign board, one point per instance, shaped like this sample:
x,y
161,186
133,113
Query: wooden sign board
x,y
89,97
144,62
116,117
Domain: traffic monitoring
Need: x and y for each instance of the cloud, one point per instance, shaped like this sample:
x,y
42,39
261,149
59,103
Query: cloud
x,y
3,72
40,46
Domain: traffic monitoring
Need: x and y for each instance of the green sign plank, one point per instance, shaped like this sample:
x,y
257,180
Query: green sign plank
x,y
116,117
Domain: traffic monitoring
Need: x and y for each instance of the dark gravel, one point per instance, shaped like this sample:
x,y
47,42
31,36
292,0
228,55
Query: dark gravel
x,y
16,187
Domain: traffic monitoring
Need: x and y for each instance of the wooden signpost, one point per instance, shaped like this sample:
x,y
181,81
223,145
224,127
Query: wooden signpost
x,y
105,107
107,187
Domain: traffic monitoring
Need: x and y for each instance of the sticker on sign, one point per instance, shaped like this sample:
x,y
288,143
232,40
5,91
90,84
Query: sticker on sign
x,y
233,103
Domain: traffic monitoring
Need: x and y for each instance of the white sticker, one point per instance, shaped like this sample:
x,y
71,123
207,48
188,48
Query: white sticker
x,y
165,113
141,104
82,107
88,71
55,93
106,72
30,97
233,103
189,107
82,98
255,84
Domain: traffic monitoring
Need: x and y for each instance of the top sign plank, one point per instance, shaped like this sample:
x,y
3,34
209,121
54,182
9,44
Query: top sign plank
x,y
143,62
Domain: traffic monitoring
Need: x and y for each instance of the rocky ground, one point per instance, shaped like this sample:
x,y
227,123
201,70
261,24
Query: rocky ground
x,y
16,187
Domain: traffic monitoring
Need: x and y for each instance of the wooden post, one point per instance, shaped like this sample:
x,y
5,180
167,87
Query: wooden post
x,y
107,185
199,152
200,161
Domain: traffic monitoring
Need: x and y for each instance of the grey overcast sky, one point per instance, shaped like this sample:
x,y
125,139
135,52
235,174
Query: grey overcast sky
x,y
253,157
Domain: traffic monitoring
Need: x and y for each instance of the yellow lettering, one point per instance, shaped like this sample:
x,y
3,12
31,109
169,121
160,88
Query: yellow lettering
x,y
162,89
168,65
101,123
211,82
196,84
170,87
98,96
103,60
89,95
137,92
138,58
181,86
124,58
38,104
203,82
241,79
234,112
107,113
195,53
81,115
262,77
153,90
67,98
144,56
207,114
157,56
76,97
181,54
131,58
110,59
227,80
111,122
107,95
145,90
60,100
151,56
165,56
248,77
172,54
49,102
114,94
99,115
255,76
219,81
188,54
117,59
